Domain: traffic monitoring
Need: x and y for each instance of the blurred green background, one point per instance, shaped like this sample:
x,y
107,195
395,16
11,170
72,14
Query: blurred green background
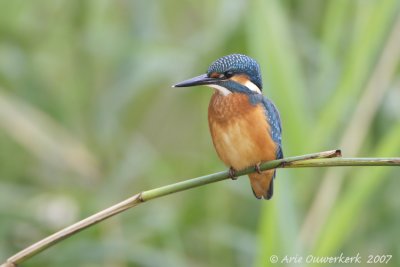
x,y
88,118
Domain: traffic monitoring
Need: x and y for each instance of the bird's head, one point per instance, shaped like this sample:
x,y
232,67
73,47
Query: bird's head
x,y
234,73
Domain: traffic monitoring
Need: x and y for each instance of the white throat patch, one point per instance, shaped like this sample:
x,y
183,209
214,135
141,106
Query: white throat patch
x,y
222,90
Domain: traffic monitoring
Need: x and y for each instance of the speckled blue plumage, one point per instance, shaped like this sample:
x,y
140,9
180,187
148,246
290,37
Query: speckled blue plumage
x,y
274,122
273,118
237,63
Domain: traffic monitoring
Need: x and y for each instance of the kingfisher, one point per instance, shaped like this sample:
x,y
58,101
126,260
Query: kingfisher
x,y
245,126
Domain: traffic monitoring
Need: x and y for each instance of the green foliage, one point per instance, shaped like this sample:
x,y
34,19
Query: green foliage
x,y
88,118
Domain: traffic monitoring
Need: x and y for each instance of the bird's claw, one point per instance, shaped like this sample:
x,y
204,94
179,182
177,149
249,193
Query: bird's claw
x,y
257,168
232,173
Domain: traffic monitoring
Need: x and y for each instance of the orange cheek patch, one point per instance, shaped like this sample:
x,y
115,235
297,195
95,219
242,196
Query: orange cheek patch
x,y
242,79
215,75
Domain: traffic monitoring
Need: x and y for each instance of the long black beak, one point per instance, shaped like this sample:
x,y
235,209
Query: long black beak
x,y
199,80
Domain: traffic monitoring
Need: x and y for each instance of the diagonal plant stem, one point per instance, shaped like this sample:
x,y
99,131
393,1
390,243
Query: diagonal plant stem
x,y
142,197
330,158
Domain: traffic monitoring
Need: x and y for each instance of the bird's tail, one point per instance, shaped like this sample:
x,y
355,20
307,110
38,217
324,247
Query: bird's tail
x,y
263,184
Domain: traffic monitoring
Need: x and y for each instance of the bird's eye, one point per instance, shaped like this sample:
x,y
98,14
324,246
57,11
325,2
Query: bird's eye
x,y
228,74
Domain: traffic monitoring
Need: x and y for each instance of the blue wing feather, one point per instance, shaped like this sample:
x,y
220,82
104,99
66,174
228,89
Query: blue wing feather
x,y
274,120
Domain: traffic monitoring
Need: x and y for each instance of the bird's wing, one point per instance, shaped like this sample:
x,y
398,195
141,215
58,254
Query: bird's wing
x,y
273,118
274,121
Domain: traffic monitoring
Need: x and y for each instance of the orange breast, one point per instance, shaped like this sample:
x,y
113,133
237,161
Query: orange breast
x,y
239,131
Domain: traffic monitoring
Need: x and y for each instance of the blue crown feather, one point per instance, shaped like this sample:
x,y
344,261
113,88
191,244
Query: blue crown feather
x,y
238,64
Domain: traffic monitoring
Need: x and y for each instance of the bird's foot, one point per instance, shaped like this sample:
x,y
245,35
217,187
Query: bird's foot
x,y
232,173
257,168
